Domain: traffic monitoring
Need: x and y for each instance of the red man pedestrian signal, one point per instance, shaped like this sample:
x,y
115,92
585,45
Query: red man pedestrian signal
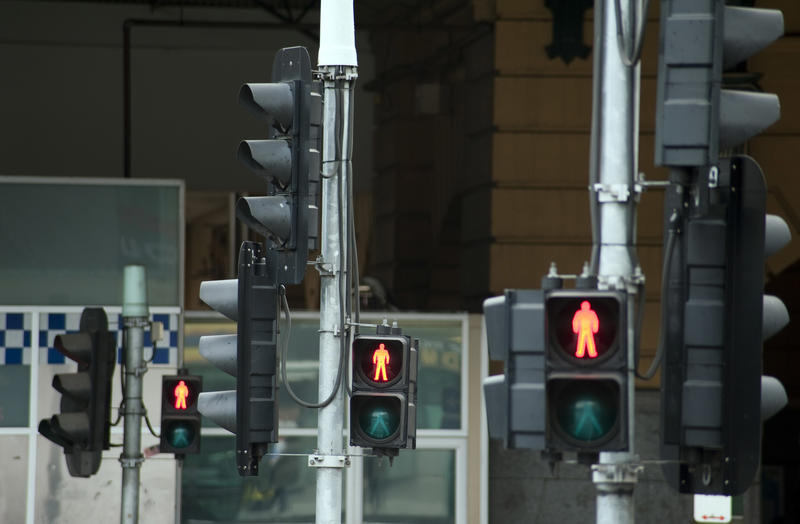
x,y
180,420
384,396
378,362
586,324
380,358
181,392
587,369
584,328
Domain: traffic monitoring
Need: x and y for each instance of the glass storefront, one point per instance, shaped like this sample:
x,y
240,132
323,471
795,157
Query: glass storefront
x,y
284,491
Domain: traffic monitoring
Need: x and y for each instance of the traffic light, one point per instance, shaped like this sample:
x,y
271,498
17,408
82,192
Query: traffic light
x,y
383,404
515,400
289,160
180,420
251,411
82,427
713,396
587,377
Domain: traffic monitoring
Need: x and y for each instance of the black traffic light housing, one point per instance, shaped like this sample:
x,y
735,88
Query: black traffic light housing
x,y
251,411
715,312
383,404
82,428
180,420
289,160
586,370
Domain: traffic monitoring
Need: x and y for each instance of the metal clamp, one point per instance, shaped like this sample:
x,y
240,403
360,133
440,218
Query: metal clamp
x,y
135,322
615,192
323,268
134,462
328,461
624,473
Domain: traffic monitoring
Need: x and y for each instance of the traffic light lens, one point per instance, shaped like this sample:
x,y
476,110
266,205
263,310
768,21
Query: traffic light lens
x,y
586,411
379,417
584,329
379,362
180,434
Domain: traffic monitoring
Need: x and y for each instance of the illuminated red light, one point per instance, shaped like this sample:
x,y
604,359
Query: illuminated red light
x,y
585,324
181,393
380,358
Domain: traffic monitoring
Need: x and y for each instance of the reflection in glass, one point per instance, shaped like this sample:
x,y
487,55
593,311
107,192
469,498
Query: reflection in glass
x,y
14,393
284,490
426,477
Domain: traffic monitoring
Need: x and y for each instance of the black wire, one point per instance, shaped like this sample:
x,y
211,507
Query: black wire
x,y
665,271
283,357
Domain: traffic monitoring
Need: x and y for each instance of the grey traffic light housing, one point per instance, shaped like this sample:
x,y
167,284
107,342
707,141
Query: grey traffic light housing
x,y
251,411
289,160
82,428
587,370
516,399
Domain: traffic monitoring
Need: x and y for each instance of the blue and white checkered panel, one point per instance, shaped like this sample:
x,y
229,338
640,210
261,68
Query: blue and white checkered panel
x,y
15,338
53,324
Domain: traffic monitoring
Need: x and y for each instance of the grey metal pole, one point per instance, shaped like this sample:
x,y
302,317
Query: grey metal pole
x,y
337,65
134,319
334,270
615,194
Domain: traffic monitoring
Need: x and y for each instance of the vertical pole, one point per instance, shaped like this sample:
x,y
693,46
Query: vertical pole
x,y
134,318
615,196
337,65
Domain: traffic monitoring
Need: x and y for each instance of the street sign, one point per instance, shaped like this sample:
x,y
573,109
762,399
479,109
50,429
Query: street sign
x,y
712,508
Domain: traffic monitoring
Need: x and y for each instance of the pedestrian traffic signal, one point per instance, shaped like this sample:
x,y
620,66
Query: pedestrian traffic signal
x,y
251,412
586,377
82,427
713,396
383,405
288,160
180,420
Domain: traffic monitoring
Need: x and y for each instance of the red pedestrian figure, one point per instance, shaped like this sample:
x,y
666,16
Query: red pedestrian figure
x,y
380,358
585,323
181,392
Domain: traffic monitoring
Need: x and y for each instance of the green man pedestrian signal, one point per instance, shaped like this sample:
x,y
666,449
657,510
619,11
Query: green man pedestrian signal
x,y
383,404
289,160
586,378
180,420
82,427
251,411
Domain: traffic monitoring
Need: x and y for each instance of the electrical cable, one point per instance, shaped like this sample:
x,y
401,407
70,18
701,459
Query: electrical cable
x,y
283,361
665,271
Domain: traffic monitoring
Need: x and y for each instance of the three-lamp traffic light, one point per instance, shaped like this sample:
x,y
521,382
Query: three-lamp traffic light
x,y
289,160
565,383
180,420
82,427
251,411
383,404
713,394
